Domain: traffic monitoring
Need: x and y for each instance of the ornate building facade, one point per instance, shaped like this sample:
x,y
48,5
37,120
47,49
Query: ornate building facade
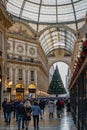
x,y
23,65
26,63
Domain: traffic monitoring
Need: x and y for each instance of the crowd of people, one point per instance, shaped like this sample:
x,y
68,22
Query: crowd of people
x,y
25,109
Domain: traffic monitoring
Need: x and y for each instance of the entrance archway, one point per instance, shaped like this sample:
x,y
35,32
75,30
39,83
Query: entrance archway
x,y
64,70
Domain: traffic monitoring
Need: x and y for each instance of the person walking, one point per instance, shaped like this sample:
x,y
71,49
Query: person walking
x,y
21,111
27,115
68,105
16,103
4,108
42,106
8,110
36,111
51,107
58,108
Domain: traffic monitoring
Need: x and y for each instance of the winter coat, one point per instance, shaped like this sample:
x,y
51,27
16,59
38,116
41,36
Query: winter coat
x,y
8,108
41,105
58,105
51,107
27,109
20,109
36,110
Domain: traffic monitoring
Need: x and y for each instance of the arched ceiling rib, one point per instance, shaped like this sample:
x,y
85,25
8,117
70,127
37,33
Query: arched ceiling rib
x,y
74,14
39,14
22,8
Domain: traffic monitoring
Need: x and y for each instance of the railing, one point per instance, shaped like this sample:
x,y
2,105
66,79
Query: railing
x,y
31,61
23,60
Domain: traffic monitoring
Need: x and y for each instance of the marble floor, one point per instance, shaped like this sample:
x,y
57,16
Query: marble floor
x,y
63,123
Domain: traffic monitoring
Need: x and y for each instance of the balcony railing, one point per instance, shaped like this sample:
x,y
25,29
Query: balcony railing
x,y
28,61
23,60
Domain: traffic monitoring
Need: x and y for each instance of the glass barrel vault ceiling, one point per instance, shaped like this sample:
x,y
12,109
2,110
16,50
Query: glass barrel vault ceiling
x,y
43,13
55,38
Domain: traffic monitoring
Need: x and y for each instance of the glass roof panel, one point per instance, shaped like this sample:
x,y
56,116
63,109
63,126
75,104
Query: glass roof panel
x,y
17,3
75,0
64,17
65,12
61,2
47,18
30,7
48,11
45,10
11,9
53,48
33,1
31,15
49,2
56,38
66,9
80,9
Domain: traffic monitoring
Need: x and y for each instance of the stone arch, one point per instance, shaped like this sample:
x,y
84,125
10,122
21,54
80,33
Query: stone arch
x,y
26,24
20,27
66,60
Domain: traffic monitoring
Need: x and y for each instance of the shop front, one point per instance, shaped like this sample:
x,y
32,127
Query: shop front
x,y
32,90
19,91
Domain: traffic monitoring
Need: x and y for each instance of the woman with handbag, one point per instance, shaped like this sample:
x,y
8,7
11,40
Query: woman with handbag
x,y
27,115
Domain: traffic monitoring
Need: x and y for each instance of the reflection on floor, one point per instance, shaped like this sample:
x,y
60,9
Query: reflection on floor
x,y
63,123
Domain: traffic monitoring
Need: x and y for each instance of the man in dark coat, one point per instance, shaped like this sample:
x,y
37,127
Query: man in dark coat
x,y
21,111
58,108
4,107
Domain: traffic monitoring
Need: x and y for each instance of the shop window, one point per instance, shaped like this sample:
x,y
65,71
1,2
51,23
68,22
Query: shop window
x,y
8,73
32,75
20,74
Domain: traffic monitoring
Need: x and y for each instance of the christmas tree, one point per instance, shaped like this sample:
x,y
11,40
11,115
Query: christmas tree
x,y
56,86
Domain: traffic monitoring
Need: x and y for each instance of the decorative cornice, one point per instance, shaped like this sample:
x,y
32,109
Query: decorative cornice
x,y
19,37
29,64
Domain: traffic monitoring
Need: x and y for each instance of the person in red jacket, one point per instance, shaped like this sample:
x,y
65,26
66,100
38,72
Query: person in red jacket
x,y
62,103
